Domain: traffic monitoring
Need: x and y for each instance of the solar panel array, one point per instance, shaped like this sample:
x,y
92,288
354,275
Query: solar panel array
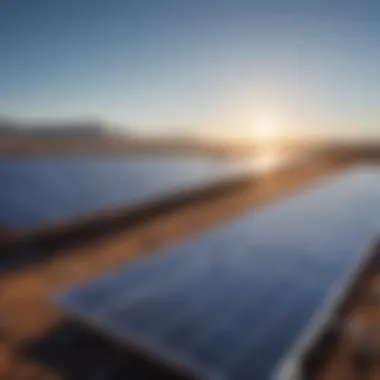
x,y
38,191
230,303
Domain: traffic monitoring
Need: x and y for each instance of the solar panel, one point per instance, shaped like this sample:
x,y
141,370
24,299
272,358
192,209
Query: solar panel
x,y
38,191
230,303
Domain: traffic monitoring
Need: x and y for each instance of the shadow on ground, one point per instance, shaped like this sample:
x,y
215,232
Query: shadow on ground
x,y
74,352
18,256
30,248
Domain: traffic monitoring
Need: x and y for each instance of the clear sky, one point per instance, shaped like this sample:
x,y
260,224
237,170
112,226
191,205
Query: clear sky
x,y
305,66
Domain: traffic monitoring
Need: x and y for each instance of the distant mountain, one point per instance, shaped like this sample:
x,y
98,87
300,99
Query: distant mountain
x,y
62,131
53,130
7,128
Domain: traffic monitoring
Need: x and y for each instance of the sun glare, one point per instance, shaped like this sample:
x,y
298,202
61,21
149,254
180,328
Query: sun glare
x,y
265,128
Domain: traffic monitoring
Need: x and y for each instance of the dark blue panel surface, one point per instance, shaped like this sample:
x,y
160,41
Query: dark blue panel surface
x,y
38,191
230,303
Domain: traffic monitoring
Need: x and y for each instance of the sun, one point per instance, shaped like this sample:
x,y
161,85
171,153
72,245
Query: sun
x,y
265,128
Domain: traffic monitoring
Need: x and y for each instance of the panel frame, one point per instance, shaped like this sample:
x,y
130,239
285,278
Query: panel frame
x,y
289,367
132,340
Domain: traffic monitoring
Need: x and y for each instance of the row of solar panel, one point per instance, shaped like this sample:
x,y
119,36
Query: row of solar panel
x,y
230,303
39,191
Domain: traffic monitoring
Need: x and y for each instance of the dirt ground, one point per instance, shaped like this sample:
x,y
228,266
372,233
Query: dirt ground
x,y
36,339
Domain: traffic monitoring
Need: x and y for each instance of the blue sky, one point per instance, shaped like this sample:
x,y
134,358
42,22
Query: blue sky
x,y
194,65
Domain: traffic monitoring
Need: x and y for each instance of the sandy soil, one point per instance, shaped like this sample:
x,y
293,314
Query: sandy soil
x,y
36,339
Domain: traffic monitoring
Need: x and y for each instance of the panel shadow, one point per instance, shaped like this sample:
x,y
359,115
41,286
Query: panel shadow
x,y
75,352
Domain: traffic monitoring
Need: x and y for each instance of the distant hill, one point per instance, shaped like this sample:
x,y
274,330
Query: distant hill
x,y
53,130
8,129
66,131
